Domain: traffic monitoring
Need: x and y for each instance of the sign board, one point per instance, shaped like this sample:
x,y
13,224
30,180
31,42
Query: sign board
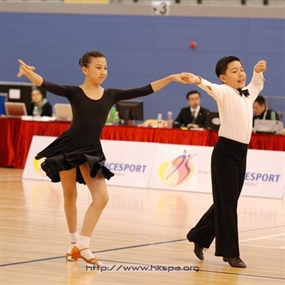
x,y
173,167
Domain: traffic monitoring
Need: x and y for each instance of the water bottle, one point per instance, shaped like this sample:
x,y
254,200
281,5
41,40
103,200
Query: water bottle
x,y
53,112
109,121
116,118
273,115
159,120
169,120
36,111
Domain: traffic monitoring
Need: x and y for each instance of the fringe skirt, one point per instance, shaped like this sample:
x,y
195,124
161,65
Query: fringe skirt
x,y
64,154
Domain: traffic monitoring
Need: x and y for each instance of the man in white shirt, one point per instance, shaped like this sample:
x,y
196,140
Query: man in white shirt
x,y
228,162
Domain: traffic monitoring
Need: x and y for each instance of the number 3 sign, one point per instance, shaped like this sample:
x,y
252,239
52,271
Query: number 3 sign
x,y
160,7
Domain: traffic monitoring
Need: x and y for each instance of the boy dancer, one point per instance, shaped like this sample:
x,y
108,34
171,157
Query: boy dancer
x,y
228,162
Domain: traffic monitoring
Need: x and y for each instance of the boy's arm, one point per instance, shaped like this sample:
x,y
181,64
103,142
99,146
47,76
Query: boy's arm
x,y
214,90
257,82
260,66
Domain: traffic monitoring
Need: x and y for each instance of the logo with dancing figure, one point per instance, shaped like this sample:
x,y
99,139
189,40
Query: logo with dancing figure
x,y
37,166
177,171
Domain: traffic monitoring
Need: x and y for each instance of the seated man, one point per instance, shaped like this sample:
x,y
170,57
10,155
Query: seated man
x,y
193,116
261,112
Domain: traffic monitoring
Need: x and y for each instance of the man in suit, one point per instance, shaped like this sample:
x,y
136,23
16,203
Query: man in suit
x,y
193,116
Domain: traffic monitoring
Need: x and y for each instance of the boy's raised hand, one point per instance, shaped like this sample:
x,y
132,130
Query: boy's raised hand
x,y
260,66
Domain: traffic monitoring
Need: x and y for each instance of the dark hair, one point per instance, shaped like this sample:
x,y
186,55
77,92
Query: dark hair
x,y
192,92
260,100
86,58
222,64
42,91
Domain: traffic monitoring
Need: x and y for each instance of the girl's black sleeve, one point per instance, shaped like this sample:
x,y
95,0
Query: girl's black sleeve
x,y
120,94
60,90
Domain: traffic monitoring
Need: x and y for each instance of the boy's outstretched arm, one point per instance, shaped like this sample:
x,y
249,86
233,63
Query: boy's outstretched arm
x,y
28,71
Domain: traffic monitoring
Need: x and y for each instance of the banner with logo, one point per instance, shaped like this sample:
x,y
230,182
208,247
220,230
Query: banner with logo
x,y
33,168
173,167
265,174
130,161
187,168
182,167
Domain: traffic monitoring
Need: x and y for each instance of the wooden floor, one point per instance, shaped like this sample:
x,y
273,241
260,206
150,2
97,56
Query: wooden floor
x,y
139,238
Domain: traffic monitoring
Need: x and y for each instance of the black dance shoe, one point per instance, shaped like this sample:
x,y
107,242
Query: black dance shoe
x,y
234,262
198,251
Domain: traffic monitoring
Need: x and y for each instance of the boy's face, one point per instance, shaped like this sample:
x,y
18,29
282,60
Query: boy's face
x,y
234,76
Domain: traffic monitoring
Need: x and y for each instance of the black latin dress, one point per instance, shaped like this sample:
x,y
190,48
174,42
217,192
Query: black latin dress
x,y
81,141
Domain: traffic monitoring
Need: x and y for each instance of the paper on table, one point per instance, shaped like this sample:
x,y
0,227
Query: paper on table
x,y
14,94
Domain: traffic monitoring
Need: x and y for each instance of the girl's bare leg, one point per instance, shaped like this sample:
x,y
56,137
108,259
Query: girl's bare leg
x,y
98,191
68,181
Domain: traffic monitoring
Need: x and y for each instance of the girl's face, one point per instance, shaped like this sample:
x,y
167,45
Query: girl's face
x,y
234,76
97,70
37,96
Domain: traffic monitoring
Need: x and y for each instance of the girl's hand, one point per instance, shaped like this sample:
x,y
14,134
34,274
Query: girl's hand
x,y
192,78
181,78
24,69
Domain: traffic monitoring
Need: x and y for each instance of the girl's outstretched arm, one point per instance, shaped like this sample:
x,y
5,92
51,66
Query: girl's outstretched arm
x,y
28,71
159,84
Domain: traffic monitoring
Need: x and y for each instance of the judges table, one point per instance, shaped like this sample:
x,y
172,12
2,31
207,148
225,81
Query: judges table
x,y
16,136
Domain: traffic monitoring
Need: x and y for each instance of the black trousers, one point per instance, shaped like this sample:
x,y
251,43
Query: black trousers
x,y
228,166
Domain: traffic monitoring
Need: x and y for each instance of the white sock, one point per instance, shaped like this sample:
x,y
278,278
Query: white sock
x,y
74,237
82,243
73,240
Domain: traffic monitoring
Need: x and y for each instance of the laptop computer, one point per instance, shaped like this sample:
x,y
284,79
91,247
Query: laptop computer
x,y
15,109
63,112
212,121
268,126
